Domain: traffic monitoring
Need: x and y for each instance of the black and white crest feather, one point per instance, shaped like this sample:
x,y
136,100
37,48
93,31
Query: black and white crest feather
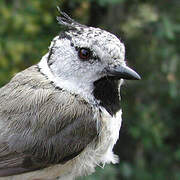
x,y
65,20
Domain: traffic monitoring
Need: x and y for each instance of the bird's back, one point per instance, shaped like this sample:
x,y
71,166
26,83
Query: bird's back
x,y
41,125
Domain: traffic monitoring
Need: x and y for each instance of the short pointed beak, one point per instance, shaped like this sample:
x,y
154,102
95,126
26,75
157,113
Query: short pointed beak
x,y
123,72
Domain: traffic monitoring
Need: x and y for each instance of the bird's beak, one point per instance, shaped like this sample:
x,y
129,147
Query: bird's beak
x,y
123,72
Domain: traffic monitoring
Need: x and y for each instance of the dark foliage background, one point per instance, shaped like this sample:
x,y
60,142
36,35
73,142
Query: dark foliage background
x,y
149,145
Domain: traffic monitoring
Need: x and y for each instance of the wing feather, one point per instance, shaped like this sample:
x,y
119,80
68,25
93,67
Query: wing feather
x,y
41,125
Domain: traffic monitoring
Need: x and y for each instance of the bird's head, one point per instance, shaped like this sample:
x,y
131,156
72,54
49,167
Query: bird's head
x,y
82,55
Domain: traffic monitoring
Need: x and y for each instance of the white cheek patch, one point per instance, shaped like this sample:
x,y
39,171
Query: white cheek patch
x,y
71,84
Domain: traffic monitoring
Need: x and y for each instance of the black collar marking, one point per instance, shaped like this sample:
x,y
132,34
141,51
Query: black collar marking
x,y
106,90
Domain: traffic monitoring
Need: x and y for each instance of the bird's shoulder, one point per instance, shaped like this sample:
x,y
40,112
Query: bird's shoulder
x,y
40,124
32,87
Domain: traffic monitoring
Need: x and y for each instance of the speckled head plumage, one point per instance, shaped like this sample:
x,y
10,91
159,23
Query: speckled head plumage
x,y
82,55
84,36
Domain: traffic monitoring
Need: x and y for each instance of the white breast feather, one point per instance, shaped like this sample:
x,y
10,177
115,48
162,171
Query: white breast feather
x,y
85,163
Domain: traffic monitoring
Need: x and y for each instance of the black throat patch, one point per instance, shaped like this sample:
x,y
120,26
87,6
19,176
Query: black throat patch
x,y
106,90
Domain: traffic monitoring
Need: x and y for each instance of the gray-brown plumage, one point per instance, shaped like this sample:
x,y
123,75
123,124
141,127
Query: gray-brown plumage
x,y
62,116
42,122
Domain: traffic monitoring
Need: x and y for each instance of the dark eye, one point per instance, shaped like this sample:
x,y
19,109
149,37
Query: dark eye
x,y
84,53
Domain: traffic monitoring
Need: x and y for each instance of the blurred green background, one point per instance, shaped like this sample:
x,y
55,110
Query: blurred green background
x,y
149,145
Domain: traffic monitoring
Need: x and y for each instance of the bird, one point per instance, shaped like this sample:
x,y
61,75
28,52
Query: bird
x,y
61,117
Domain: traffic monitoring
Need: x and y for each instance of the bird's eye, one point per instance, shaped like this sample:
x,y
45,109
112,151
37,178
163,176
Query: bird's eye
x,y
84,53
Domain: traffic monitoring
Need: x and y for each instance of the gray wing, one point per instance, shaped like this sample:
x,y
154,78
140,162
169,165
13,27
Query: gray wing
x,y
40,125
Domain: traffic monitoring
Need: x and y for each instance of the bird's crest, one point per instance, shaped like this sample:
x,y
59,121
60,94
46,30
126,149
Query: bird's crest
x,y
66,21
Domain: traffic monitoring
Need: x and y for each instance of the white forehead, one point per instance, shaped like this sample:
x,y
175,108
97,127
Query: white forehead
x,y
97,39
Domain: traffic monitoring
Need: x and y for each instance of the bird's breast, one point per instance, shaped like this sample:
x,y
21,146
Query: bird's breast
x,y
100,151
109,135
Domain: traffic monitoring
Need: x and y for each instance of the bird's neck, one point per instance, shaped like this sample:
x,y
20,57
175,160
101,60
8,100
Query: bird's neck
x,y
74,86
